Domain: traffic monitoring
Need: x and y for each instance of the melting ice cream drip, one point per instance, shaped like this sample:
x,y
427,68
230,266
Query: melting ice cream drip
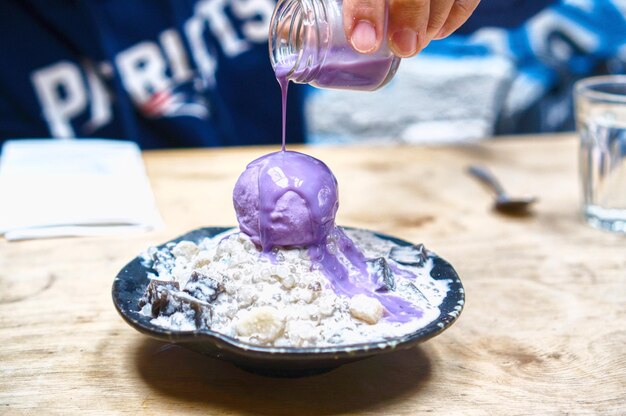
x,y
345,283
289,199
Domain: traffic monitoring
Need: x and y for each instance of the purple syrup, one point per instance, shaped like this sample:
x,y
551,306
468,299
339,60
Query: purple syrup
x,y
289,199
401,272
354,75
309,212
342,282
340,70
281,76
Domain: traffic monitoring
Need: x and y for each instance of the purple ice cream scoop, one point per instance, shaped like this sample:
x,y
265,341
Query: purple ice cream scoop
x,y
286,199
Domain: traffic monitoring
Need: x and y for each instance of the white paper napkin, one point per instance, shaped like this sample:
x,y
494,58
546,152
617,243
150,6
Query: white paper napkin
x,y
59,188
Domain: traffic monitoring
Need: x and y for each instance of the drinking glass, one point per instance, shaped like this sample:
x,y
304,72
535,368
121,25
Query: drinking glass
x,y
601,123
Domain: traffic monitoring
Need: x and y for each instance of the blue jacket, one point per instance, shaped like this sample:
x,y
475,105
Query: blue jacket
x,y
173,73
164,73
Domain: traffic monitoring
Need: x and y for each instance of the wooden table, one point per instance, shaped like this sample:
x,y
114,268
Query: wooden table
x,y
543,331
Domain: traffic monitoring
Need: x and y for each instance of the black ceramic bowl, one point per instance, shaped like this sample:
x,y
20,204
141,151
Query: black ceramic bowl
x,y
132,280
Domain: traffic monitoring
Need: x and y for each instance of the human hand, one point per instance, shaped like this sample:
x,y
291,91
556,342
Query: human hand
x,y
411,24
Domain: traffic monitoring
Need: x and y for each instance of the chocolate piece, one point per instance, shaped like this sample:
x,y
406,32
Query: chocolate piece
x,y
409,255
202,287
166,299
154,293
418,293
382,274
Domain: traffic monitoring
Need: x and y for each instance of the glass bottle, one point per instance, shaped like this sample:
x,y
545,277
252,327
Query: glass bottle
x,y
308,45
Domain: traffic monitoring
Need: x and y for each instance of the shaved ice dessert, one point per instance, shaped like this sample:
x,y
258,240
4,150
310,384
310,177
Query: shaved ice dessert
x,y
288,276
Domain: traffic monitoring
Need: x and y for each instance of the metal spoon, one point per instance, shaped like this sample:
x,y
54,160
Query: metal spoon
x,y
503,203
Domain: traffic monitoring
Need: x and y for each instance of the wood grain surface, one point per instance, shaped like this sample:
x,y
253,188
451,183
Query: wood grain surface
x,y
542,333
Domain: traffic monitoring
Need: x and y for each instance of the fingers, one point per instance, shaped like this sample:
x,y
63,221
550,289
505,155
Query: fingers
x,y
439,12
412,24
363,22
459,13
408,22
